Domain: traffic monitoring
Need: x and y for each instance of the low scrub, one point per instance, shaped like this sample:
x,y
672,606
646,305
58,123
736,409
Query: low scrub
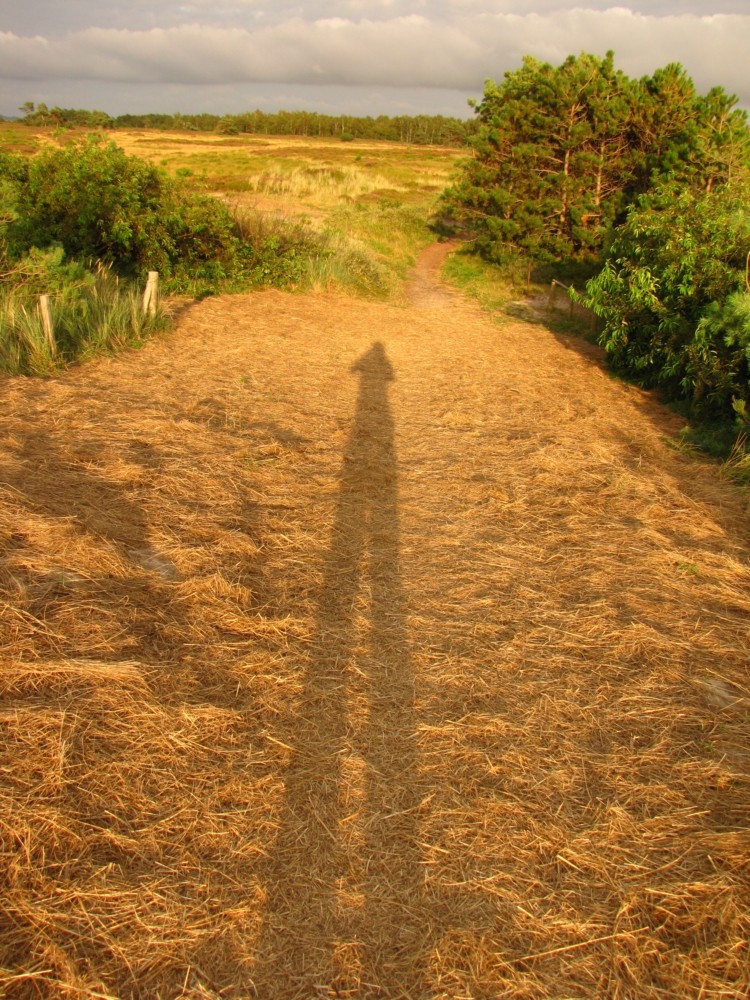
x,y
99,204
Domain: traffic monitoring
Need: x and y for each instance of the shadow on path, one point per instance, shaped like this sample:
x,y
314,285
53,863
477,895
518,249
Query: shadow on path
x,y
344,884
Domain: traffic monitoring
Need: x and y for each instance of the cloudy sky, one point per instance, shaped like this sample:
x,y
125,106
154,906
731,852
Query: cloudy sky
x,y
353,56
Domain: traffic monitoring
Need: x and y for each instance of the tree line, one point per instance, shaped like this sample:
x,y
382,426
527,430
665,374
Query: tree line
x,y
644,185
416,129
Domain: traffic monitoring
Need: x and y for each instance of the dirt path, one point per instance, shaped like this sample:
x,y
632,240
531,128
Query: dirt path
x,y
357,650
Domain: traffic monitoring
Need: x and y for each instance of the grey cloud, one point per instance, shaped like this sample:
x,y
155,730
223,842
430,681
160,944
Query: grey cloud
x,y
58,17
407,50
401,51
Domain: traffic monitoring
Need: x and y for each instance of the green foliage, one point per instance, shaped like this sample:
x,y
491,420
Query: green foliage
x,y
13,172
671,297
94,201
729,320
100,204
64,117
561,152
46,272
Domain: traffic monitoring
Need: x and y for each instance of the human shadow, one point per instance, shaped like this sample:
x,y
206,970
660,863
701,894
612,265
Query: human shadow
x,y
344,886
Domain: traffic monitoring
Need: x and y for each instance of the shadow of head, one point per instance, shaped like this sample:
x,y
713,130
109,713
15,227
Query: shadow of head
x,y
374,366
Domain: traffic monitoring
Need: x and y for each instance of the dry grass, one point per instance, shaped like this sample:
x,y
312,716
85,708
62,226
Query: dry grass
x,y
299,176
333,669
336,184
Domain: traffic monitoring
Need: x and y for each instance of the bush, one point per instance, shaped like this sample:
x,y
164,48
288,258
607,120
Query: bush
x,y
102,205
95,202
671,298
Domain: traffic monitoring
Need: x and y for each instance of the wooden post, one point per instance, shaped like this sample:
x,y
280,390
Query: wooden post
x,y
151,294
49,330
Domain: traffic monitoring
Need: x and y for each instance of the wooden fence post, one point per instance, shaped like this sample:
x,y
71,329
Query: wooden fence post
x,y
49,330
151,293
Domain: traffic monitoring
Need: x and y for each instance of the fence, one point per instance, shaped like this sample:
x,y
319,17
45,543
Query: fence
x,y
150,300
573,308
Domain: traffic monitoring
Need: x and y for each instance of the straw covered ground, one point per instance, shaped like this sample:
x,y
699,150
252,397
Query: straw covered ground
x,y
372,651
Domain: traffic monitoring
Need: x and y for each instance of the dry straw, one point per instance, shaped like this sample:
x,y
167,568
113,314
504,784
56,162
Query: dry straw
x,y
333,669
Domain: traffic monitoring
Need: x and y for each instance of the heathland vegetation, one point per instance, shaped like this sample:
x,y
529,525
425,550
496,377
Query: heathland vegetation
x,y
636,190
84,215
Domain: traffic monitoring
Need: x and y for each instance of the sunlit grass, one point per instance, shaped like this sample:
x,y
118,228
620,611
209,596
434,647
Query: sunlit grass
x,y
101,315
492,288
358,212
365,205
241,161
320,182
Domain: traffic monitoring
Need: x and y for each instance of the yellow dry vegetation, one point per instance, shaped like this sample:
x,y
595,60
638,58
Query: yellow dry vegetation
x,y
363,650
297,175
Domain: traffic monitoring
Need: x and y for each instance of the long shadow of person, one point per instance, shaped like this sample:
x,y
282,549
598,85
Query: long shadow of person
x,y
343,910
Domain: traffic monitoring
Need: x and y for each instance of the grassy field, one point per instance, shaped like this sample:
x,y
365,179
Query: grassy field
x,y
369,201
302,176
362,208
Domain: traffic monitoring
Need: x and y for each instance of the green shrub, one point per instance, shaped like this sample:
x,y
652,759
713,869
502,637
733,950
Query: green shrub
x,y
99,204
95,202
46,271
671,300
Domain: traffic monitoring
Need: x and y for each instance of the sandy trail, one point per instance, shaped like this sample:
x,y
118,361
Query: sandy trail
x,y
364,650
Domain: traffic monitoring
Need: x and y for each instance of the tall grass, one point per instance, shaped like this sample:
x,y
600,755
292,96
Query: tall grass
x,y
101,315
492,287
340,183
374,245
361,249
737,464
